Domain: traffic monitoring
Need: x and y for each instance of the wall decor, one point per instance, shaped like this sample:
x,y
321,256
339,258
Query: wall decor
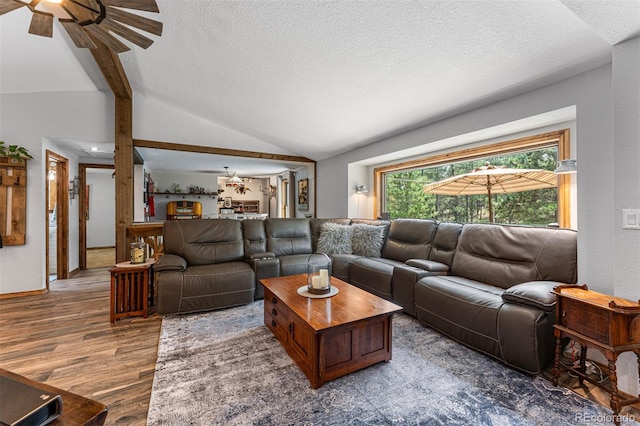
x,y
227,202
303,194
13,194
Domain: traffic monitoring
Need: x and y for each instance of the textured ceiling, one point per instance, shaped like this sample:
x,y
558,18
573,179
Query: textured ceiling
x,y
317,78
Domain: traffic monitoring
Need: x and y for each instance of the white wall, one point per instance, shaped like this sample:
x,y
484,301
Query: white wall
x,y
101,226
26,120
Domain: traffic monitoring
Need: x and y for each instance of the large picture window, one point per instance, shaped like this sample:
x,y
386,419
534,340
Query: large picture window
x,y
401,186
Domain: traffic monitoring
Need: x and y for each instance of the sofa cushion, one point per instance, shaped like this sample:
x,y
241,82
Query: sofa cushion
x,y
255,237
464,309
340,265
536,294
504,255
445,242
206,287
409,239
288,236
335,239
299,263
204,241
373,275
366,240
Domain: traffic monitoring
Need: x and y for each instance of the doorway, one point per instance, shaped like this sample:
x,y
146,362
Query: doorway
x,y
97,216
285,197
57,217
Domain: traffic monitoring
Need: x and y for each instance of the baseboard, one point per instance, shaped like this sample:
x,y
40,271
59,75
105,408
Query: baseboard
x,y
23,294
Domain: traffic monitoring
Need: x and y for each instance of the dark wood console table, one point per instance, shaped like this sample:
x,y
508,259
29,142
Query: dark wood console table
x,y
76,409
608,324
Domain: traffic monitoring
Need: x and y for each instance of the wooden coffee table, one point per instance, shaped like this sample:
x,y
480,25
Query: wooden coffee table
x,y
330,337
76,409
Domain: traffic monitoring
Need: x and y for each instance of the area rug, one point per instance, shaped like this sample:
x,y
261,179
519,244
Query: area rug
x,y
225,367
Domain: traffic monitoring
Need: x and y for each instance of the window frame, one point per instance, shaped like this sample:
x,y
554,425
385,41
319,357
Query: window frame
x,y
559,139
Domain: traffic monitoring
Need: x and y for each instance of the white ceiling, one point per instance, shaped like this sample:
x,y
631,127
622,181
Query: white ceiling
x,y
317,78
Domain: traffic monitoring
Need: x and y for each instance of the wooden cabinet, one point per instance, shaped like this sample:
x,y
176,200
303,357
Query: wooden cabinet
x,y
245,206
605,323
184,210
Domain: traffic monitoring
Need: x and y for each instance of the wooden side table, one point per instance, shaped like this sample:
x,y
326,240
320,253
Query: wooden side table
x,y
608,324
129,290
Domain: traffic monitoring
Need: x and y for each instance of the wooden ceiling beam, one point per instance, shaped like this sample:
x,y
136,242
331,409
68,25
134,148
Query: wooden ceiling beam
x,y
141,143
114,74
111,68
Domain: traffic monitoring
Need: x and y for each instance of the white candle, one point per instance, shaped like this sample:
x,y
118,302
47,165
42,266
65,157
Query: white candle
x,y
315,281
324,277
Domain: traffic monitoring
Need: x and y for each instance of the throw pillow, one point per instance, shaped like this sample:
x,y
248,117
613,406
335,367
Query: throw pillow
x,y
366,240
334,239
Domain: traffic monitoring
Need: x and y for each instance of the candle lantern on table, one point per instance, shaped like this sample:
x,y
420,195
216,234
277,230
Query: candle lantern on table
x,y
318,277
138,253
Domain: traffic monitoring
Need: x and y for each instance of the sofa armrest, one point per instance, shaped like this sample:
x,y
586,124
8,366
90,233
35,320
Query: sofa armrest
x,y
170,262
264,267
536,294
260,256
429,265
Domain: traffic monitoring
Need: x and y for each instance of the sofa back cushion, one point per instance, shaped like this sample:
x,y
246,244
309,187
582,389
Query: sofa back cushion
x,y
255,236
288,236
409,239
204,241
504,255
443,247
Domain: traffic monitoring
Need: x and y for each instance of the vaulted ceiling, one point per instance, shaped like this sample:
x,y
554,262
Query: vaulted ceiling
x,y
317,78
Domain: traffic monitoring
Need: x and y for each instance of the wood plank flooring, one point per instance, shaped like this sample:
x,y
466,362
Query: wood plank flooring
x,y
64,338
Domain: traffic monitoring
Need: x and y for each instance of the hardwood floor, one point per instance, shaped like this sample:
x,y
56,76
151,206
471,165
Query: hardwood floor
x,y
64,338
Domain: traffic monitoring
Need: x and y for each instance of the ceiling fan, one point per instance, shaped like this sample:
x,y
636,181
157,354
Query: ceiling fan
x,y
86,20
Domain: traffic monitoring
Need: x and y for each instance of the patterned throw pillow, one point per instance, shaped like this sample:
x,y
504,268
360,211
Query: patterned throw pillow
x,y
335,239
366,240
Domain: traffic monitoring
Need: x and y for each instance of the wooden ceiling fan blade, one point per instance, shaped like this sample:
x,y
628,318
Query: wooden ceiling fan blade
x,y
140,22
104,36
77,34
127,33
146,5
9,5
41,24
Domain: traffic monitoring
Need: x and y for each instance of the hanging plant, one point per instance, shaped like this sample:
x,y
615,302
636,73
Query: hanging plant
x,y
14,152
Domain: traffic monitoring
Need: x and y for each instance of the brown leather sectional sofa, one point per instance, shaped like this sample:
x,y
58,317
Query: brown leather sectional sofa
x,y
487,286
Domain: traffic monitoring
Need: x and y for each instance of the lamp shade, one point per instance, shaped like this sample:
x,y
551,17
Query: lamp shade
x,y
234,181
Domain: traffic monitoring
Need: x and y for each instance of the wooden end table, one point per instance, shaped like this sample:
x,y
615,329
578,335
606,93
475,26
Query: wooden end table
x,y
329,337
608,324
129,290
76,409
